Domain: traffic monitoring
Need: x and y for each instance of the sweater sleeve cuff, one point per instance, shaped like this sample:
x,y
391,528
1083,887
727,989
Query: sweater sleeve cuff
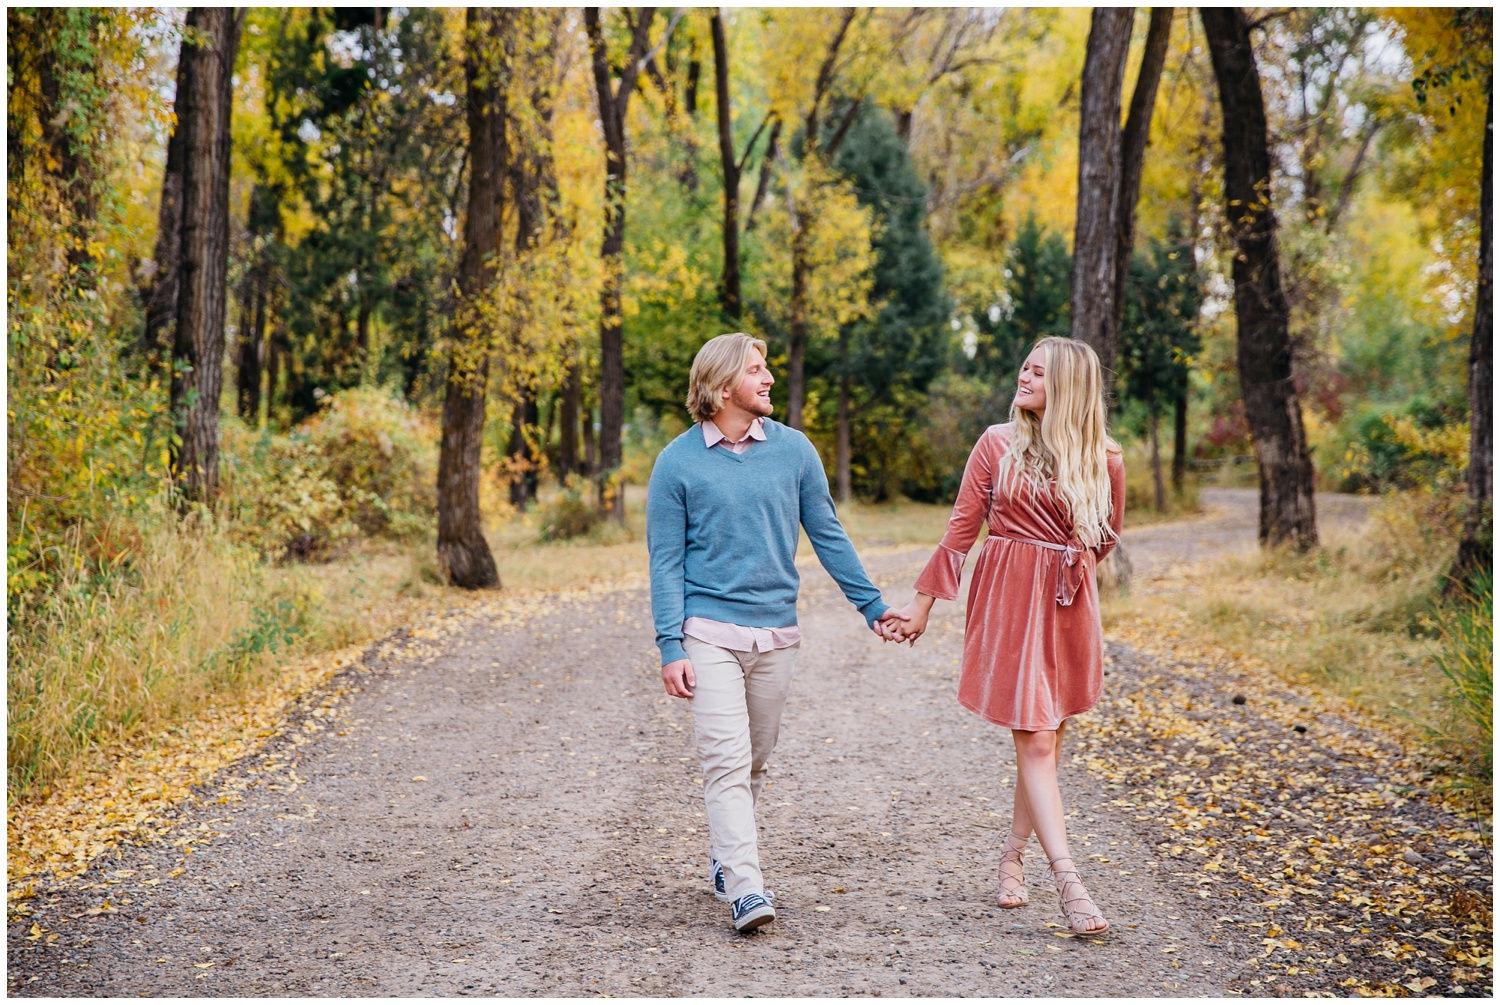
x,y
671,651
941,577
873,612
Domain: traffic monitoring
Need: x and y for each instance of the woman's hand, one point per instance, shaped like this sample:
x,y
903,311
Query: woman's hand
x,y
910,622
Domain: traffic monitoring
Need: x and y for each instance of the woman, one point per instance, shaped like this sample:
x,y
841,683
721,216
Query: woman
x,y
1051,486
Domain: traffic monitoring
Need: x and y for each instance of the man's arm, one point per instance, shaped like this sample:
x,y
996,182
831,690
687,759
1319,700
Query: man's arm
x,y
666,542
831,543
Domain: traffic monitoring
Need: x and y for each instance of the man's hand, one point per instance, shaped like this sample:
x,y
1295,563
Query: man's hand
x,y
677,677
908,623
890,624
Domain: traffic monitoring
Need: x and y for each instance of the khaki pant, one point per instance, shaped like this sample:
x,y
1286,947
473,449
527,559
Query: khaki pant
x,y
736,707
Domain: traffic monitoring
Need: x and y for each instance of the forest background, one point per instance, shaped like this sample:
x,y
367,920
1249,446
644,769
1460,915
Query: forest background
x,y
318,316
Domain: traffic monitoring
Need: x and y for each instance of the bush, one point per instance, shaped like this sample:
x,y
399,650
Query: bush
x,y
382,454
1411,446
569,514
366,465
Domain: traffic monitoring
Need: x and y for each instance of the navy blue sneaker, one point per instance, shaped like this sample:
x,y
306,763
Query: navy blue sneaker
x,y
716,878
751,911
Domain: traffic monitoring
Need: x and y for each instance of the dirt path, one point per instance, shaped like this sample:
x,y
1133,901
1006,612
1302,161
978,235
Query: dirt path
x,y
515,810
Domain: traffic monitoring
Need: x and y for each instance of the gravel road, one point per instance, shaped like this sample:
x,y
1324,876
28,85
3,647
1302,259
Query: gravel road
x,y
514,809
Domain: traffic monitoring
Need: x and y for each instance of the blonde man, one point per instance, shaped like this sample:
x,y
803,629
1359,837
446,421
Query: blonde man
x,y
722,514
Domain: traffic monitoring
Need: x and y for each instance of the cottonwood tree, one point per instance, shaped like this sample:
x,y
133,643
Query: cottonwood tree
x,y
1099,163
204,102
463,554
1264,354
614,86
733,167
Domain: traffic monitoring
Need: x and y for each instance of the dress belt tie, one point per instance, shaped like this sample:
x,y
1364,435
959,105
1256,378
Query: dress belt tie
x,y
1069,574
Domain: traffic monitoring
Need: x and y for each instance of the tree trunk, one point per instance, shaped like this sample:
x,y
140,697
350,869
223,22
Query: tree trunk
x,y
1179,432
843,462
69,159
463,554
1156,479
525,419
567,437
251,349
1133,144
1261,313
273,372
159,297
763,182
1099,155
590,443
729,283
1476,542
614,99
203,110
796,329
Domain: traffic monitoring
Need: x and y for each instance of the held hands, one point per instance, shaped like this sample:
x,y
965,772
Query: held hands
x,y
906,624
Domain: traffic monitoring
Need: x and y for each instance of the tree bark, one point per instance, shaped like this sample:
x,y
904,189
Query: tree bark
x,y
159,297
1133,142
1158,486
568,461
1476,542
463,554
533,186
1099,156
525,418
1179,432
729,282
614,99
763,183
251,348
843,462
203,111
1272,408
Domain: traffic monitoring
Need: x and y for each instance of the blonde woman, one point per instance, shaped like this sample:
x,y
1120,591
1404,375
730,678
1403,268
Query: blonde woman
x,y
1051,487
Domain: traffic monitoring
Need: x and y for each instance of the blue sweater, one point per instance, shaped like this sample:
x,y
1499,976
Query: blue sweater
x,y
721,528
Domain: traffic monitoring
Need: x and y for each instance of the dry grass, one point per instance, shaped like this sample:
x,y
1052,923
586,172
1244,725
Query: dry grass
x,y
1359,617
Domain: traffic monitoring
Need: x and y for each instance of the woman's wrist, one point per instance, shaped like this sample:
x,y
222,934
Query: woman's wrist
x,y
922,603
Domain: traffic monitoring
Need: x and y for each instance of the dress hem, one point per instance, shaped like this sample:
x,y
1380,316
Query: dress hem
x,y
1029,729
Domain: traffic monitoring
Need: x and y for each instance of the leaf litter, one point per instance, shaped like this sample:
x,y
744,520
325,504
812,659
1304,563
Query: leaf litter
x,y
1298,817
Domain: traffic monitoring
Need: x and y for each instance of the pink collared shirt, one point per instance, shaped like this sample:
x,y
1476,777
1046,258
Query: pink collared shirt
x,y
742,638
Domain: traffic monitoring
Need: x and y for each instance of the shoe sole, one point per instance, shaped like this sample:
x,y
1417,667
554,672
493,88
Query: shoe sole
x,y
755,919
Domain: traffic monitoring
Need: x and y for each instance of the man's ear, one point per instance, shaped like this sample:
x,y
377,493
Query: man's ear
x,y
726,392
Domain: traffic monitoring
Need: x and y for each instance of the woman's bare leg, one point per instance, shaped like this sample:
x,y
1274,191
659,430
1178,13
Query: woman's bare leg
x,y
1037,757
1012,877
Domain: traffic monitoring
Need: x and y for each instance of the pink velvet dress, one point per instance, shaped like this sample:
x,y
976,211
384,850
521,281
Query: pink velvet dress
x,y
1033,646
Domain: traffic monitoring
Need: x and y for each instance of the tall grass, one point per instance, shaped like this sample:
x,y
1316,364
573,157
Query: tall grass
x,y
1467,661
142,644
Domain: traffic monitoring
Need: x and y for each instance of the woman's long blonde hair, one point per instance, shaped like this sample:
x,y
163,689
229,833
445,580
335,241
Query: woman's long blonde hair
x,y
1068,442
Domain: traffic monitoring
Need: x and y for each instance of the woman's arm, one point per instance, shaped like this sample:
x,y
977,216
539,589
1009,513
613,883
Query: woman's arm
x,y
1116,468
970,511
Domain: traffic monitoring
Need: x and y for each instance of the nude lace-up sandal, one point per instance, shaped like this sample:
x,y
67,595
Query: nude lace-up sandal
x,y
1078,908
1012,891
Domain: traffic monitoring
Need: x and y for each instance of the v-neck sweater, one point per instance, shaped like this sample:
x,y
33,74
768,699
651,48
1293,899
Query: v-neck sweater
x,y
721,529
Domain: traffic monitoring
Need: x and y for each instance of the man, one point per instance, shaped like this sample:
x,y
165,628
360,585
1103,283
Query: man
x,y
722,513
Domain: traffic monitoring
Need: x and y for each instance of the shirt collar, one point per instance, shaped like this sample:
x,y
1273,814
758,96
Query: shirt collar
x,y
712,434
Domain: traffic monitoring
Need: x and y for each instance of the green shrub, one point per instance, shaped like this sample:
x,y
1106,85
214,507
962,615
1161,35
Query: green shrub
x,y
382,454
364,466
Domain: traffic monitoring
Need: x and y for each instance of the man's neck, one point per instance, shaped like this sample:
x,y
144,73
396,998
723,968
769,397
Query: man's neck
x,y
733,422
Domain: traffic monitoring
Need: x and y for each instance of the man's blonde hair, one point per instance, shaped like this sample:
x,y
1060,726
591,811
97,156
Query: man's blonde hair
x,y
718,364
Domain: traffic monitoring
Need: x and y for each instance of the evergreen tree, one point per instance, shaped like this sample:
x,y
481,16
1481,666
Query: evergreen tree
x,y
1034,305
879,369
1160,338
